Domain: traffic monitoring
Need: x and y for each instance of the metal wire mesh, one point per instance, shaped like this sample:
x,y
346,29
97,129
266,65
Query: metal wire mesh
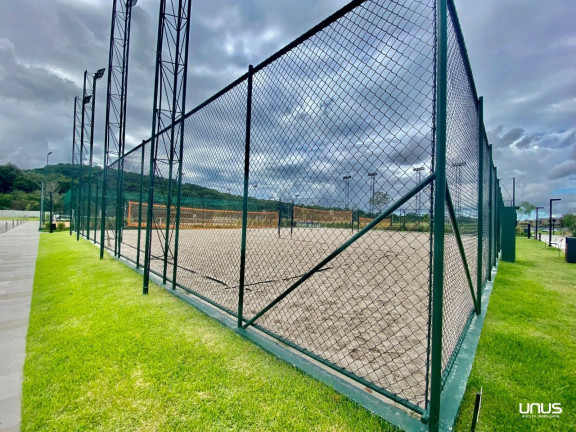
x,y
462,176
213,180
297,158
354,99
134,187
111,206
487,211
507,190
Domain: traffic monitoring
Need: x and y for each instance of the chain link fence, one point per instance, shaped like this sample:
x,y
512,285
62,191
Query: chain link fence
x,y
304,207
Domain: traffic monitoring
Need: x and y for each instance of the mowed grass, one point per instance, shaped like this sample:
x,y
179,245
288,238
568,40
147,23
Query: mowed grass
x,y
103,357
527,351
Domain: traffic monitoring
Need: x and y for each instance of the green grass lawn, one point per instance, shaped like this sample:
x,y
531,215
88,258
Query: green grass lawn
x,y
101,356
527,351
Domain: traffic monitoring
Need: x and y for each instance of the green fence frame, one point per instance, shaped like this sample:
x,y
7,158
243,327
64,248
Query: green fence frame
x,y
488,227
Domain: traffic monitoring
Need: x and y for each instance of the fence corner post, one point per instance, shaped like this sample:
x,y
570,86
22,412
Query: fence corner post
x,y
245,200
479,272
439,216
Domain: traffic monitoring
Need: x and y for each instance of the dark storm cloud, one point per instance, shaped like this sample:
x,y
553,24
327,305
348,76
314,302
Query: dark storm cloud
x,y
25,83
522,58
567,168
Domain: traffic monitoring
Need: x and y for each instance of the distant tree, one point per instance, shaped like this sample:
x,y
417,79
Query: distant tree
x,y
570,222
25,184
379,200
526,208
8,173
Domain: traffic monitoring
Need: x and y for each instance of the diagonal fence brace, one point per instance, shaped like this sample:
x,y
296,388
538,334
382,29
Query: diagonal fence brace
x,y
343,247
452,214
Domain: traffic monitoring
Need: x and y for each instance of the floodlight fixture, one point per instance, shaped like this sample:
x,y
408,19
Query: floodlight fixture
x,y
99,73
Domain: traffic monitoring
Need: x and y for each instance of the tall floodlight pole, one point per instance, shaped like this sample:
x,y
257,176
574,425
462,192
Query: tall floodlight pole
x,y
458,166
346,179
74,131
116,101
169,107
418,197
75,153
48,157
99,74
550,223
536,234
372,176
85,100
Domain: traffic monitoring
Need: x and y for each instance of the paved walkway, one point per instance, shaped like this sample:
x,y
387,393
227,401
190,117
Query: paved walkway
x,y
18,252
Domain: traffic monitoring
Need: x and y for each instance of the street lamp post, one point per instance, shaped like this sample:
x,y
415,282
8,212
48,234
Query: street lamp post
x,y
99,74
346,179
48,157
372,176
536,234
85,100
550,224
292,215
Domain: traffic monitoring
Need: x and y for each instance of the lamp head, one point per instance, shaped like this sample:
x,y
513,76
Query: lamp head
x,y
99,73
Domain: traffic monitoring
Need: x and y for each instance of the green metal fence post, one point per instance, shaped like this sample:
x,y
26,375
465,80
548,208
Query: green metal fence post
x,y
245,201
140,197
180,155
96,209
492,211
119,208
439,215
72,195
292,218
103,209
149,216
279,216
498,214
479,272
178,203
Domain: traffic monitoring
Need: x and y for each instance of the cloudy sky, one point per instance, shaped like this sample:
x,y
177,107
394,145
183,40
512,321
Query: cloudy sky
x,y
523,58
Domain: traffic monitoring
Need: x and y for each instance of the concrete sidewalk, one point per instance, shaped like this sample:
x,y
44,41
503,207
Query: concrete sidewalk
x,y
18,252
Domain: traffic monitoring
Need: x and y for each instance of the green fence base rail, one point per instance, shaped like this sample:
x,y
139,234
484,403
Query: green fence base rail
x,y
455,386
452,392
